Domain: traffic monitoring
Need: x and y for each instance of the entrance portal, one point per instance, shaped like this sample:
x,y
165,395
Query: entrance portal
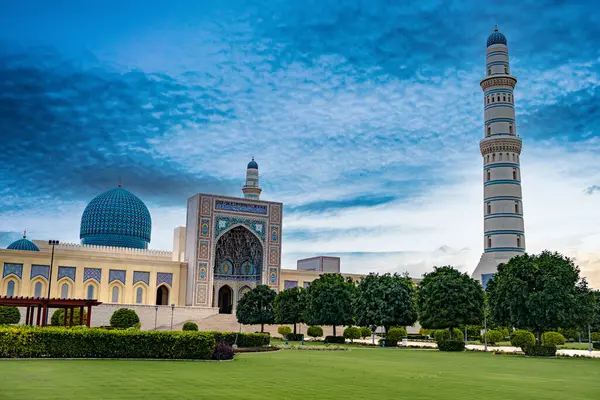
x,y
225,300
162,296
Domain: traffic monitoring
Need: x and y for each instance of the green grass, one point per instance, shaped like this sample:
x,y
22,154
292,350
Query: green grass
x,y
358,374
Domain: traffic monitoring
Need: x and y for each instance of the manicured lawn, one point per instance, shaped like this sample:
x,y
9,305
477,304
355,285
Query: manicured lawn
x,y
358,374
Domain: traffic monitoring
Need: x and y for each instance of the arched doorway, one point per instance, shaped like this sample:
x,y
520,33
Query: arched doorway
x,y
162,296
225,300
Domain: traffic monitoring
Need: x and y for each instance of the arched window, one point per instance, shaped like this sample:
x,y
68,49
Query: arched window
x,y
499,156
504,98
115,294
90,292
37,289
489,130
514,174
492,99
488,99
10,288
489,241
64,291
516,207
510,129
506,70
489,208
513,156
518,241
498,98
494,157
488,174
488,158
139,295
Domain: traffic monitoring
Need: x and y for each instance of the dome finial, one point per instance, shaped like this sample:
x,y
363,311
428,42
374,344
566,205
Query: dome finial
x,y
25,234
119,182
496,28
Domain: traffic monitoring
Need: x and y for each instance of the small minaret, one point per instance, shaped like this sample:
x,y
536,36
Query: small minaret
x,y
504,232
251,189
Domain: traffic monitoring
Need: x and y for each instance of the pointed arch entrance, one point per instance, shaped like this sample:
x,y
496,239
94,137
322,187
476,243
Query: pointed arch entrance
x,y
162,295
225,300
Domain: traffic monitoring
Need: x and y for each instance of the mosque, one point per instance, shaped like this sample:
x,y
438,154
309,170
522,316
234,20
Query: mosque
x,y
229,245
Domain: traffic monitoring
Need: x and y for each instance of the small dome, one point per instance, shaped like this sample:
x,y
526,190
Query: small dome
x,y
116,218
23,244
252,164
496,38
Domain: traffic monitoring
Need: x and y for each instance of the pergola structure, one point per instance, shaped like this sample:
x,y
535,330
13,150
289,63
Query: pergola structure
x,y
43,304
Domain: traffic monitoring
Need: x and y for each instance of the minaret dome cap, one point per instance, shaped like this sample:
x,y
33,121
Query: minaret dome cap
x,y
496,38
252,164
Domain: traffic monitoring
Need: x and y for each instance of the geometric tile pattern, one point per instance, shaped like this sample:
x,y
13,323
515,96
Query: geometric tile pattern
x,y
14,269
92,273
66,272
163,277
40,270
223,223
272,276
116,275
240,207
141,276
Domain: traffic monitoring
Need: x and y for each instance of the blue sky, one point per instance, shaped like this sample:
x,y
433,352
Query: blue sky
x,y
364,118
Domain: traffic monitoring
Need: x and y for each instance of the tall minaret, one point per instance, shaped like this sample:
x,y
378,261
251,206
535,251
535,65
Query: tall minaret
x,y
251,189
504,234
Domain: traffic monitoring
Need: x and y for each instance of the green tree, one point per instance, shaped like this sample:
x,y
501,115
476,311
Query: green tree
x,y
330,301
596,317
256,307
125,318
386,300
447,298
290,305
539,293
9,315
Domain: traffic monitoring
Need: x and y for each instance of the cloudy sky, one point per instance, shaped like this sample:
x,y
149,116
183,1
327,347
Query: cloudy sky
x,y
364,117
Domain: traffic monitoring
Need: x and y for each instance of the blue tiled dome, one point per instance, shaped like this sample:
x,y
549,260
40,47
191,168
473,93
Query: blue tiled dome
x,y
496,38
252,164
116,218
23,244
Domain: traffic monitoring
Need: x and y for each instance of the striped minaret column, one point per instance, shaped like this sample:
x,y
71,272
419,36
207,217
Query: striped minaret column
x,y
251,189
504,234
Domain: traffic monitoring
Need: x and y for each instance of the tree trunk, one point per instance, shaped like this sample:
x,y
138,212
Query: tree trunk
x,y
262,328
538,337
294,328
334,330
451,330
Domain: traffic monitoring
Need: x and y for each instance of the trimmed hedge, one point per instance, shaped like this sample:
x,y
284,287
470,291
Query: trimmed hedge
x,y
540,350
32,342
9,315
335,339
284,331
494,336
596,345
522,338
243,339
314,331
553,338
125,318
295,337
451,345
444,334
58,317
190,326
365,332
223,351
352,333
595,336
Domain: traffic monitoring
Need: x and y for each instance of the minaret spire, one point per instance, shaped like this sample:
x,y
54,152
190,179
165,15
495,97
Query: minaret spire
x,y
504,232
251,189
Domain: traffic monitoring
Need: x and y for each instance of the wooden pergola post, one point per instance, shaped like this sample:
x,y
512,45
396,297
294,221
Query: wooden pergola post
x,y
31,310
27,316
44,314
81,315
71,318
65,310
89,316
39,313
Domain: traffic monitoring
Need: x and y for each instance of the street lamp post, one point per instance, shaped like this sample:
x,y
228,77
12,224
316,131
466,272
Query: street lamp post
x,y
50,243
172,311
590,338
485,333
155,316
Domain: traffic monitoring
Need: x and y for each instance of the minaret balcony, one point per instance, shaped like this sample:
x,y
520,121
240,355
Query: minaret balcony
x,y
503,143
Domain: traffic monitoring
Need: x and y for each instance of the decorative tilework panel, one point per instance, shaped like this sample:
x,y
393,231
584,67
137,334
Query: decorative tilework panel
x,y
141,276
92,273
206,206
116,275
274,256
204,227
67,272
275,214
290,284
274,234
203,253
255,225
15,269
201,294
40,270
202,271
240,207
164,277
273,276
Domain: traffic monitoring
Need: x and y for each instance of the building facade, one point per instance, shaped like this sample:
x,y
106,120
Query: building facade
x,y
504,230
